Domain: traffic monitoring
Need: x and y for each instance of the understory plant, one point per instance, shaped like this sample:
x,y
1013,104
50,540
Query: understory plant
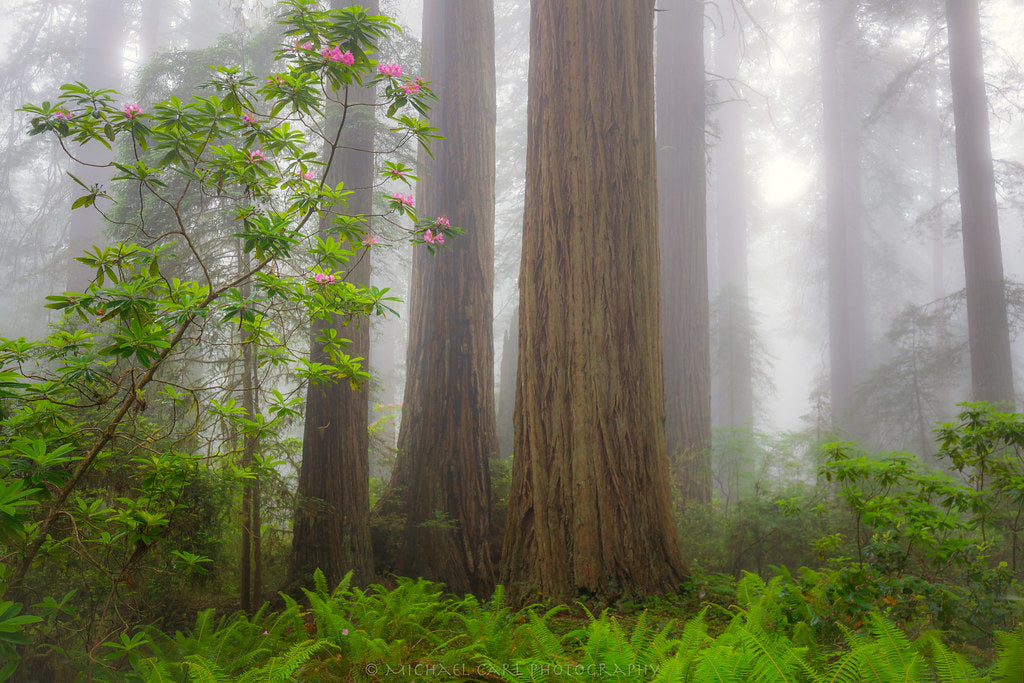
x,y
122,430
413,631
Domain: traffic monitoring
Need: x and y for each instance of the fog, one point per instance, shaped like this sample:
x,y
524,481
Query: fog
x,y
897,108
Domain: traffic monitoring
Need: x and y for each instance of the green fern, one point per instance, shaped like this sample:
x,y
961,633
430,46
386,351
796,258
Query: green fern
x,y
681,666
281,669
202,670
895,649
949,666
1009,663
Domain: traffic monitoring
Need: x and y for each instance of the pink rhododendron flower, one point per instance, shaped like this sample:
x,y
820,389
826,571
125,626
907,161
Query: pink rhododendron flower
x,y
248,120
405,199
257,155
308,175
334,54
367,241
63,115
412,87
442,223
306,46
132,110
323,279
393,70
433,237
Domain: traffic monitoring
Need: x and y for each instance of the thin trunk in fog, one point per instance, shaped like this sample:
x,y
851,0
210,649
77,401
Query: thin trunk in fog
x,y
988,331
332,519
735,390
151,23
589,506
843,205
251,561
507,377
101,68
440,489
682,216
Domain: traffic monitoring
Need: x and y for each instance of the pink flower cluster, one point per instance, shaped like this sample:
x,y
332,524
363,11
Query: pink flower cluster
x,y
132,110
63,115
306,45
323,279
412,87
248,120
405,199
393,70
308,175
256,155
370,240
437,236
334,54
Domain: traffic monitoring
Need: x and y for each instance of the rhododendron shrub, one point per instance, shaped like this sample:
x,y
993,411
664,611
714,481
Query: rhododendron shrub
x,y
250,151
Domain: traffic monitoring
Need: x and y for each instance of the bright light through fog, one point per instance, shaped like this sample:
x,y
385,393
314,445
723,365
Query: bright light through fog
x,y
783,179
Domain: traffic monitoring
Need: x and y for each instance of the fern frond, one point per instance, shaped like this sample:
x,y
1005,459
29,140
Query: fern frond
x,y
1010,660
203,670
319,583
544,642
771,660
894,648
845,670
341,590
280,669
153,670
950,667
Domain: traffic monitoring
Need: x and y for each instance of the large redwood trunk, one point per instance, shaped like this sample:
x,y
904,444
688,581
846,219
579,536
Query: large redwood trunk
x,y
589,507
440,490
332,518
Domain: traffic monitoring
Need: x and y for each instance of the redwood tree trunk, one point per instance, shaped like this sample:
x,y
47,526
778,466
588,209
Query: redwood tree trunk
x,y
840,130
589,508
507,397
332,520
988,331
440,489
734,405
101,63
682,215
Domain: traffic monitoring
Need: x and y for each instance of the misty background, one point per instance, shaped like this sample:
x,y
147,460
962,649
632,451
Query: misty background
x,y
765,163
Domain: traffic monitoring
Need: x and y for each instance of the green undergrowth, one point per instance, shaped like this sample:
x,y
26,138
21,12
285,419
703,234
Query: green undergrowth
x,y
416,632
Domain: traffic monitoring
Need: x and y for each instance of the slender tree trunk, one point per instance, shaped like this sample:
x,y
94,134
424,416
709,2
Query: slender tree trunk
x,y
589,508
988,330
682,215
249,563
101,64
332,520
507,397
735,392
847,317
441,483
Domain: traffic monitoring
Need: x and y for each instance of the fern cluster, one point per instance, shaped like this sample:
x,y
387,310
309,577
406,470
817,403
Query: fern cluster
x,y
417,632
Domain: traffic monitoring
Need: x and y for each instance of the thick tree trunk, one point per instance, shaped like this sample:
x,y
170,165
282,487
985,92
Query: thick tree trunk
x,y
589,509
991,364
682,216
332,521
840,130
440,489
